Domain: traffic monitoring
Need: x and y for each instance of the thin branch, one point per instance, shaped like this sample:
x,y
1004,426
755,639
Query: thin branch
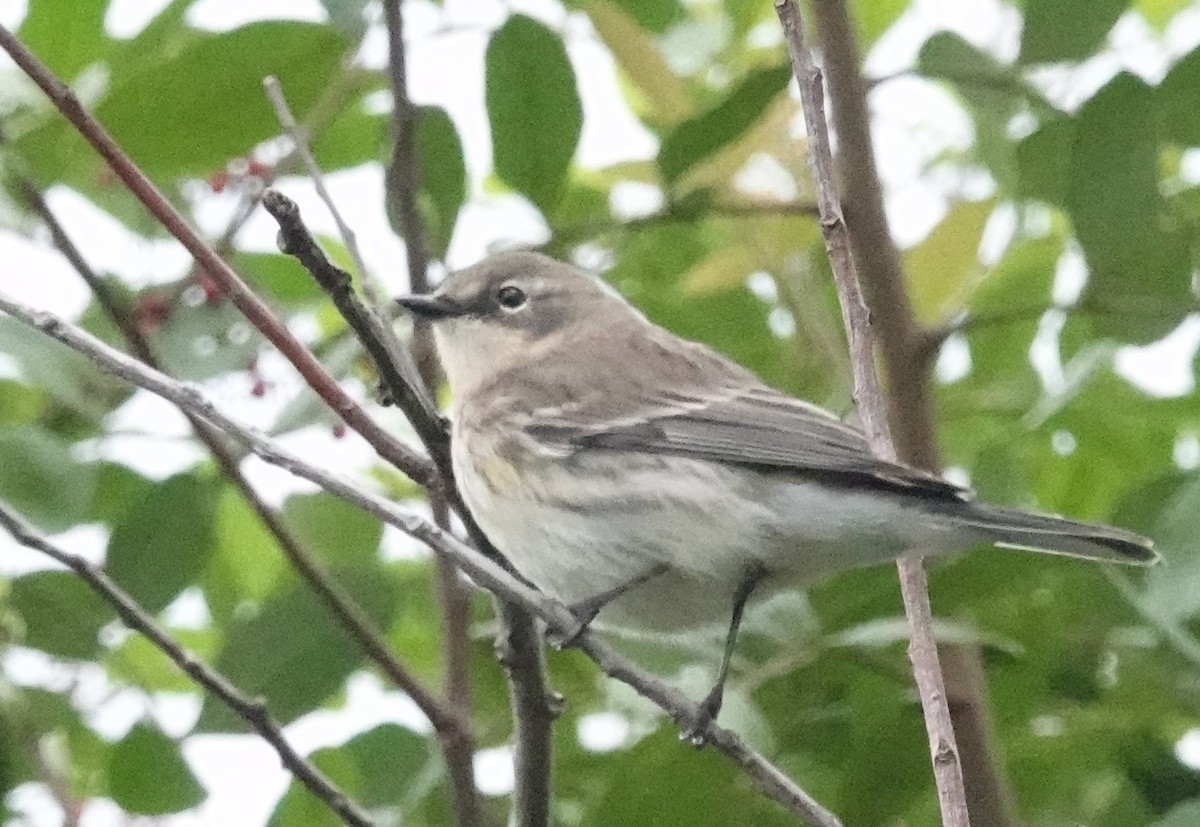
x,y
403,182
254,309
483,570
251,710
922,649
445,721
519,645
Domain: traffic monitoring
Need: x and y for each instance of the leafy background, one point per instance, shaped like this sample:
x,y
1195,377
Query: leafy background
x,y
1039,168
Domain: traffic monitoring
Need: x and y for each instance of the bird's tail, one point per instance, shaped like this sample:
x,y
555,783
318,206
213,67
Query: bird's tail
x,y
1012,528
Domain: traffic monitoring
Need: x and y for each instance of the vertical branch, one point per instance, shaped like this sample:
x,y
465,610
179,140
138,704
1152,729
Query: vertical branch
x,y
922,649
907,366
519,643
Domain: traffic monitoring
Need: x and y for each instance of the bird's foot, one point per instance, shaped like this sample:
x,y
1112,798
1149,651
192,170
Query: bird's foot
x,y
696,733
584,613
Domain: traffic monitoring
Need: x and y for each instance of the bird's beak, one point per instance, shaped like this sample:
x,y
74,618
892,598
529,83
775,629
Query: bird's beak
x,y
430,307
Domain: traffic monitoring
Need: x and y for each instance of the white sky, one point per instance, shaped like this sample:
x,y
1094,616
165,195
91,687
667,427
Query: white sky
x,y
914,122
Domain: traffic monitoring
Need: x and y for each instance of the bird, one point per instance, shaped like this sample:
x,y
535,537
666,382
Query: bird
x,y
648,482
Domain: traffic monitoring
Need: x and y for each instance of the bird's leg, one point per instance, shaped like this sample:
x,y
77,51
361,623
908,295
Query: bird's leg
x,y
711,705
585,611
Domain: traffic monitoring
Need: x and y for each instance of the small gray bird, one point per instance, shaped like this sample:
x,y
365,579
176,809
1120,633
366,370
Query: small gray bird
x,y
649,482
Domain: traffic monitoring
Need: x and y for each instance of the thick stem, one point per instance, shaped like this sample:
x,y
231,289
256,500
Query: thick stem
x,y
872,409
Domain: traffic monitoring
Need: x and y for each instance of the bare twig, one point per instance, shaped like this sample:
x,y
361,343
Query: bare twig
x,y
341,605
483,570
519,645
251,710
255,310
922,647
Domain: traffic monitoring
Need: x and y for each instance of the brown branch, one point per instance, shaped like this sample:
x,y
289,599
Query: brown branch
x,y
450,727
519,641
484,570
922,649
254,309
519,644
252,710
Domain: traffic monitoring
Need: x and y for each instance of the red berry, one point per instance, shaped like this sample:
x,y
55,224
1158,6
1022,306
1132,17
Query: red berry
x,y
219,181
339,430
258,169
212,290
259,389
151,311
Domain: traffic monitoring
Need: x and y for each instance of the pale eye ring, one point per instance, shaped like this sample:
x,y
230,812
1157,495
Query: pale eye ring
x,y
511,297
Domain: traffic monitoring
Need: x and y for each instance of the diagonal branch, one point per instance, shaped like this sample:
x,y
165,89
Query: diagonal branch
x,y
922,648
254,309
403,187
251,710
485,571
519,646
446,723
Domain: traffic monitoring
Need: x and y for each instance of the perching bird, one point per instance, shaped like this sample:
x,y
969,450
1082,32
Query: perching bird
x,y
649,482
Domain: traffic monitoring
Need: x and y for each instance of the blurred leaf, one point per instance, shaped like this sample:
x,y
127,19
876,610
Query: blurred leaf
x,y
1066,30
61,614
141,663
118,488
147,774
875,18
247,562
40,478
888,631
279,277
20,404
1172,591
190,112
653,15
940,268
1158,13
534,109
1114,203
697,138
293,652
347,16
1043,161
443,175
334,530
65,42
356,136
949,56
162,544
68,378
1175,101
667,99
1186,814
205,339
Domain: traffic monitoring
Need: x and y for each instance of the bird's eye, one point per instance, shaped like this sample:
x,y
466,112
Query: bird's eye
x,y
510,297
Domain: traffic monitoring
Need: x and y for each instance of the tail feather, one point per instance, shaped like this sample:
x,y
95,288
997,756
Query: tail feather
x,y
1012,528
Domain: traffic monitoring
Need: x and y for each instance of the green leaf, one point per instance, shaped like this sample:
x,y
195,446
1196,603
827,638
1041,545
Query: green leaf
x,y
40,478
443,175
247,562
948,56
61,614
204,105
139,662
66,40
698,138
118,489
347,16
20,404
388,766
67,377
1172,591
293,652
333,529
164,542
875,18
1066,30
654,15
534,109
1043,161
1178,117
203,340
147,774
940,268
1186,814
356,136
1114,202
279,277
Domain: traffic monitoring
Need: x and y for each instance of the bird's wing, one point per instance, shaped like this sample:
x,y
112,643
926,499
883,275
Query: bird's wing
x,y
751,426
